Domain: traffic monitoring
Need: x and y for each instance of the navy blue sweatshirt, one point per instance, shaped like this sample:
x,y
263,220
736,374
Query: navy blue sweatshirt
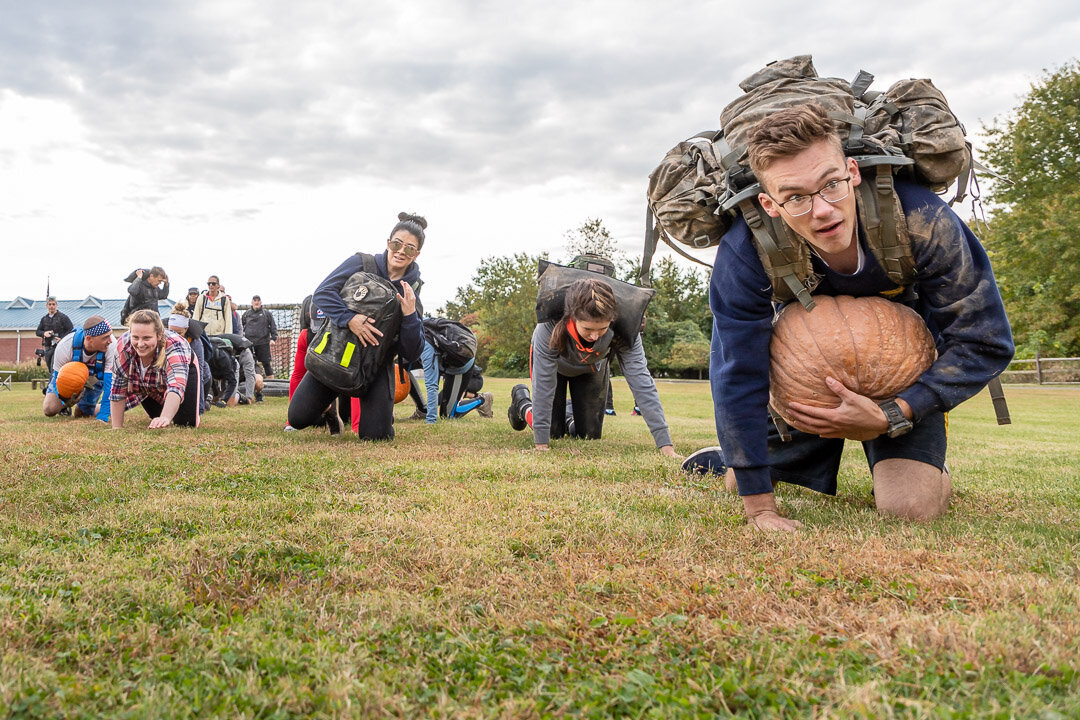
x,y
956,295
327,298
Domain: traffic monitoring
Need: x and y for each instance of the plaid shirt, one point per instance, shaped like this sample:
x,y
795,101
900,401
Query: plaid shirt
x,y
132,387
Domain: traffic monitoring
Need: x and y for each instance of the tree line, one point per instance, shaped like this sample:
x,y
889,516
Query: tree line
x,y
1032,238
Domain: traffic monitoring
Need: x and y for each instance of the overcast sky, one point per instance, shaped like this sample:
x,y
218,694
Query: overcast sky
x,y
266,140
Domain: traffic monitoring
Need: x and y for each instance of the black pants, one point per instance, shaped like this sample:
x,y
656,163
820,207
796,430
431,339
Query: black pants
x,y
188,413
376,421
588,397
262,355
49,352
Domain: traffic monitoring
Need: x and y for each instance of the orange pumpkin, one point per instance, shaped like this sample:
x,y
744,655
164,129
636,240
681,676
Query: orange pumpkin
x,y
402,383
873,346
71,379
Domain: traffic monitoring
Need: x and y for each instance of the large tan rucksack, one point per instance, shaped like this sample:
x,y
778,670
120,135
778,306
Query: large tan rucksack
x,y
696,191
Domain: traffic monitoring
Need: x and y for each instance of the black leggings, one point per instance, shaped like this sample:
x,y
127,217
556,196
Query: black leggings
x,y
588,396
376,421
188,412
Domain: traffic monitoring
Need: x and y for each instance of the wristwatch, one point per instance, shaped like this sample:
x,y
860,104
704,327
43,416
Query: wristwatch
x,y
898,424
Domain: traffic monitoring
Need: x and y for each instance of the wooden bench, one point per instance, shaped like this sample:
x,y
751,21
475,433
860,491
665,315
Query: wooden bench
x,y
5,378
43,382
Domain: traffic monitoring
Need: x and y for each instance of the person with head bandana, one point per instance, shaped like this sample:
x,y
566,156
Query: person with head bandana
x,y
92,345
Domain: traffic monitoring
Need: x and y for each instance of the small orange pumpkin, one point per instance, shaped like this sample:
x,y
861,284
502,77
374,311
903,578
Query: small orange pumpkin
x,y
873,346
402,383
71,379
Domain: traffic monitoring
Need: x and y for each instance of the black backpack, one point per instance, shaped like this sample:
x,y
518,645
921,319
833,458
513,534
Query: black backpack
x,y
335,356
219,356
453,341
632,300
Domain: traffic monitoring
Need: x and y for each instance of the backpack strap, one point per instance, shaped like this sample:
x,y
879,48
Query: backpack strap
x,y
997,395
370,266
650,248
786,260
883,221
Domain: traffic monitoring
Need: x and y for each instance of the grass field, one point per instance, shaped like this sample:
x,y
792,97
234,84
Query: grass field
x,y
239,571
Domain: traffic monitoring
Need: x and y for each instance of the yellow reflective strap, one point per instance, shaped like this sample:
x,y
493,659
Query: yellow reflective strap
x,y
322,344
347,355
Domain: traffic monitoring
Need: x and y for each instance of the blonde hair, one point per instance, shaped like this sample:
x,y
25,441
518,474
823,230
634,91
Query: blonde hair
x,y
586,299
149,317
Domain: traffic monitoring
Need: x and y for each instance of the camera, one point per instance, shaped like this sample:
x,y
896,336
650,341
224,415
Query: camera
x,y
40,353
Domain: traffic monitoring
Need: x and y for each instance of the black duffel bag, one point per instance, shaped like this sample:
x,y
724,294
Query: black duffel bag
x,y
335,356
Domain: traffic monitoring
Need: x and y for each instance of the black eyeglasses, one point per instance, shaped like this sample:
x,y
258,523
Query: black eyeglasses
x,y
833,192
397,245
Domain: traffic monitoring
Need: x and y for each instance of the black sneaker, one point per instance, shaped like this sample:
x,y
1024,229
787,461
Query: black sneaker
x,y
258,397
520,401
243,401
332,420
66,412
217,403
706,461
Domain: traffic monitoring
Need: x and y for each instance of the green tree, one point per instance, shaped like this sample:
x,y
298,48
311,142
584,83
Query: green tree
x,y
1033,235
502,295
590,237
679,323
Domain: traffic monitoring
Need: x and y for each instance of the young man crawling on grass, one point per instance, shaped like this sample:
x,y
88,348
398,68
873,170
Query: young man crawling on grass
x,y
797,156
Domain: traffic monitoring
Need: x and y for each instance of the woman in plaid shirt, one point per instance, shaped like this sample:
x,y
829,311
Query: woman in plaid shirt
x,y
153,366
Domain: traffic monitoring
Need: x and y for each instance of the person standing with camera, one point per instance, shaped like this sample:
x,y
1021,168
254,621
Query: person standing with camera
x,y
53,326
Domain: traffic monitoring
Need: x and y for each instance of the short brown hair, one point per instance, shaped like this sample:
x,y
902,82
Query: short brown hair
x,y
788,132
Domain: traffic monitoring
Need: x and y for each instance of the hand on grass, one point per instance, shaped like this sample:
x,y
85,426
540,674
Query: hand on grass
x,y
762,514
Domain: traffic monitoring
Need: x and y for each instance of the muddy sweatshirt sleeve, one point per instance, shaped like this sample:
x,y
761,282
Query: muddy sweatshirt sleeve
x,y
959,298
740,299
636,370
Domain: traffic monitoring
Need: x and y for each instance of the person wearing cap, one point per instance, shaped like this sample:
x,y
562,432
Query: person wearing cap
x,y
92,344
261,330
192,296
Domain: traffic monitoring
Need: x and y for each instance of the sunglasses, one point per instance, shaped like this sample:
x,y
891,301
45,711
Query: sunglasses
x,y
211,284
409,250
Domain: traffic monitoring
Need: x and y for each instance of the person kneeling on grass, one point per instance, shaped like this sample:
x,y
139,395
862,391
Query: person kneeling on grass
x,y
156,368
574,354
93,345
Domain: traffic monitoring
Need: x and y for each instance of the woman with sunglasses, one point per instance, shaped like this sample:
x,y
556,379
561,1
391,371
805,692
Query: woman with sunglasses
x,y
373,413
574,354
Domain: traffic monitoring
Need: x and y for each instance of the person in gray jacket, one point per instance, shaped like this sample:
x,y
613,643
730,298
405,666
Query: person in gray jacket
x,y
261,330
574,355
